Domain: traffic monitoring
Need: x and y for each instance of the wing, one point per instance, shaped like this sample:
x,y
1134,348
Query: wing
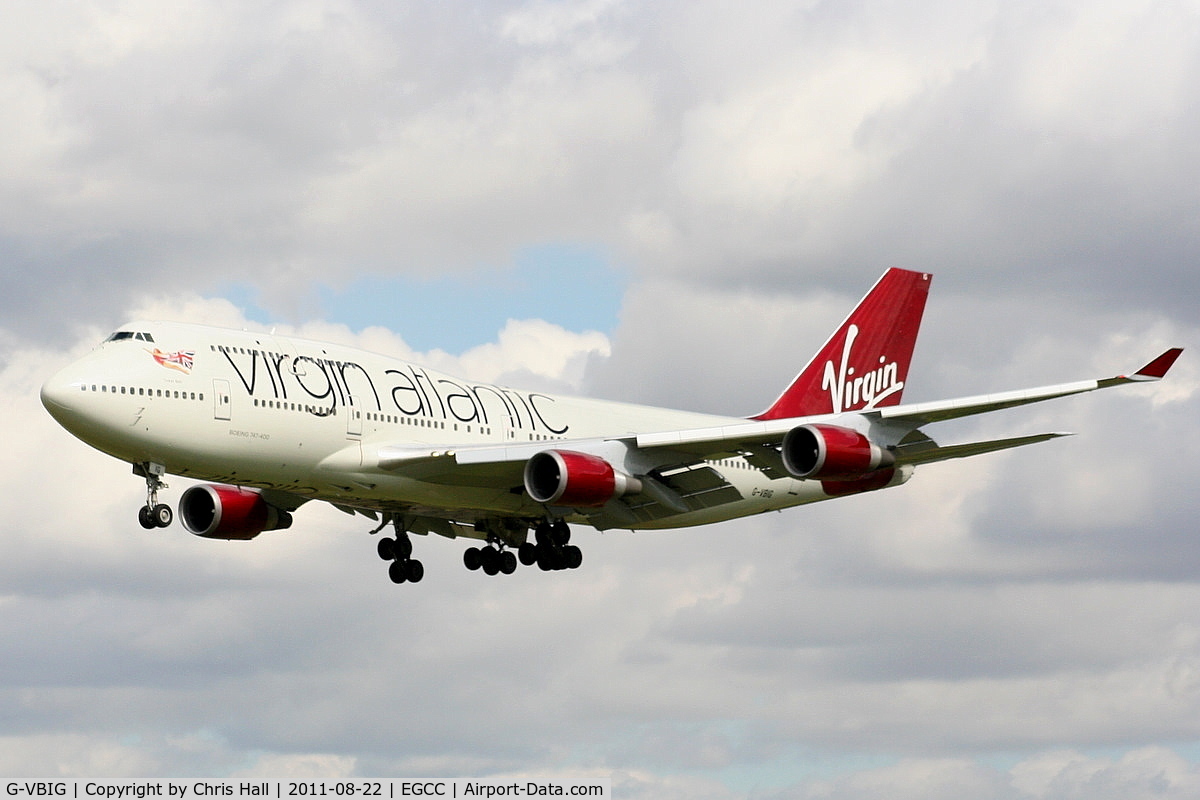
x,y
674,470
757,441
922,413
760,437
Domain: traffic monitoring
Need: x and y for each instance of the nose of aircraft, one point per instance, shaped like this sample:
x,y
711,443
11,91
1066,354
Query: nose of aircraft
x,y
59,396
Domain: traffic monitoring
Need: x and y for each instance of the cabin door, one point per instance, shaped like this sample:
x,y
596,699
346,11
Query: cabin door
x,y
221,400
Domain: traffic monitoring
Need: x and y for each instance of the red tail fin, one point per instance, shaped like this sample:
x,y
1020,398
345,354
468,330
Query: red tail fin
x,y
865,363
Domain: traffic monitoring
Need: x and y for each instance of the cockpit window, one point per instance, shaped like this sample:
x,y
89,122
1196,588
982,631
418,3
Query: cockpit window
x,y
119,335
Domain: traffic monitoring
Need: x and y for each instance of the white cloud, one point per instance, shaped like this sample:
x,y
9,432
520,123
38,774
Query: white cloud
x,y
529,353
537,350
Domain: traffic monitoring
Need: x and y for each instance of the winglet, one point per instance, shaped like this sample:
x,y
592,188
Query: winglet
x,y
1157,368
1153,371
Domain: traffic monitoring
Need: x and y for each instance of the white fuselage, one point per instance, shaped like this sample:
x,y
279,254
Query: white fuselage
x,y
306,418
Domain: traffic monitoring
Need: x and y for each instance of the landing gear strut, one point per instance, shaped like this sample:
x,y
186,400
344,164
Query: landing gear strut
x,y
154,514
404,568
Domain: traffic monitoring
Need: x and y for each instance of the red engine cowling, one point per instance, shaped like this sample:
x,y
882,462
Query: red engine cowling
x,y
229,512
832,453
575,480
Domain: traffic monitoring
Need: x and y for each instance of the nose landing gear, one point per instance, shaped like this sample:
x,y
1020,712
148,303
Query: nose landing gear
x,y
154,514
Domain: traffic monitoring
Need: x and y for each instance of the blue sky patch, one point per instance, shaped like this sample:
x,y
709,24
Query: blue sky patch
x,y
571,285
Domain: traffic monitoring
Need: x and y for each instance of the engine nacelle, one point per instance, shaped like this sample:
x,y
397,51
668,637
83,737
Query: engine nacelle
x,y
575,480
229,512
832,453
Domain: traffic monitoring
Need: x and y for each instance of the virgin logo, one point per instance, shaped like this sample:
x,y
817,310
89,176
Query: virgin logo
x,y
847,390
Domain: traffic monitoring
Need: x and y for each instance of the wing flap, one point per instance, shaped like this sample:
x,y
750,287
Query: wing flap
x,y
681,489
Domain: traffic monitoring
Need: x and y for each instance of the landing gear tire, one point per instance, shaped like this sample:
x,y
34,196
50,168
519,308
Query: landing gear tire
x,y
409,570
489,559
414,570
386,548
162,515
471,559
390,549
146,518
550,558
527,553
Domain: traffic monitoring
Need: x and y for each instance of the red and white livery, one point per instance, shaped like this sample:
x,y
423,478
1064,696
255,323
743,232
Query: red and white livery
x,y
270,422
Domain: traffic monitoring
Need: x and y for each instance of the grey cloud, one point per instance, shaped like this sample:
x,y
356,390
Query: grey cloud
x,y
768,148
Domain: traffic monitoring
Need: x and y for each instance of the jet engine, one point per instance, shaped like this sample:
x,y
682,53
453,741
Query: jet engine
x,y
832,453
229,512
575,480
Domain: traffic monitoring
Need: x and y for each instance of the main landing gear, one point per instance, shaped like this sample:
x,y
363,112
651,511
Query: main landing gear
x,y
553,549
154,514
492,559
404,568
550,550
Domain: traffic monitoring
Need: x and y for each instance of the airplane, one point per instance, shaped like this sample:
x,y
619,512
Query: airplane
x,y
271,422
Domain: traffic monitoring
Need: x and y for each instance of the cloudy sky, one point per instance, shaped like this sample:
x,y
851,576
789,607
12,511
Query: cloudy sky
x,y
669,203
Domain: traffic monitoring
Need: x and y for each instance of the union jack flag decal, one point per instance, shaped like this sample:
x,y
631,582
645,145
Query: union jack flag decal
x,y
181,360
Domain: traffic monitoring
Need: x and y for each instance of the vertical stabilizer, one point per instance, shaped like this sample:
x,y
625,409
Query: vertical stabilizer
x,y
864,365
